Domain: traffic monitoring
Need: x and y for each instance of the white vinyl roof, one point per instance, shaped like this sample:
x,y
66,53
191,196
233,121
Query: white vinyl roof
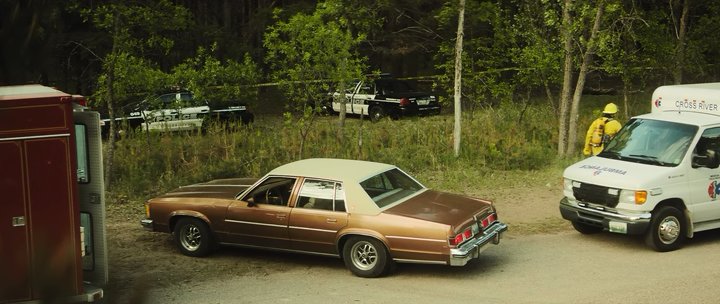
x,y
348,172
345,170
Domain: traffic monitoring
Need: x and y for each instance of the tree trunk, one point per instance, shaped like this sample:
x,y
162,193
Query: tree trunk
x,y
626,97
680,47
587,57
564,102
110,105
227,15
549,95
458,79
343,106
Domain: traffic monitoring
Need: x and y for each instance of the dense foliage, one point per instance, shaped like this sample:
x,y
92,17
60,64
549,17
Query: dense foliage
x,y
282,57
150,163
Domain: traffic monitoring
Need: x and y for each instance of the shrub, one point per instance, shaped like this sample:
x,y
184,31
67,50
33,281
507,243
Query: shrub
x,y
506,138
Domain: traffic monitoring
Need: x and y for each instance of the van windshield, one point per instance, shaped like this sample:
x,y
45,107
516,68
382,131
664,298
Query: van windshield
x,y
654,142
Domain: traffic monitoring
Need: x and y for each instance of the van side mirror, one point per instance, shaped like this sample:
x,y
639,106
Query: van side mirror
x,y
709,160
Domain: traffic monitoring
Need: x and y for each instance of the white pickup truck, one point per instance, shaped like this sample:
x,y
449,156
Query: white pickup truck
x,y
385,97
658,177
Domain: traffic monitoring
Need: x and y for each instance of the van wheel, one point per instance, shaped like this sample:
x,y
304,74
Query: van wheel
x,y
366,257
586,229
376,113
193,237
667,230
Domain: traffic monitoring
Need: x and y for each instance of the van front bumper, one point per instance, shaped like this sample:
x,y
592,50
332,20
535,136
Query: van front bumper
x,y
606,218
472,249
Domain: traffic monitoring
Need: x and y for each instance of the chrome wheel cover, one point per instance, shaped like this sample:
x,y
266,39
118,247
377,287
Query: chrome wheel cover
x,y
363,255
668,230
190,237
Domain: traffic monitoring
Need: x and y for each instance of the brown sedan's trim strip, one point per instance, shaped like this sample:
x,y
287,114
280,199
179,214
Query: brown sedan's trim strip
x,y
256,223
415,239
313,229
193,192
281,249
420,261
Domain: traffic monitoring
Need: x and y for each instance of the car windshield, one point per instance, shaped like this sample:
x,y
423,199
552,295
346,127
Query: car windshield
x,y
654,142
390,186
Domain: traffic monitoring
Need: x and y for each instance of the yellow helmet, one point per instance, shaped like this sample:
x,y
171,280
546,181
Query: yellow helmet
x,y
610,108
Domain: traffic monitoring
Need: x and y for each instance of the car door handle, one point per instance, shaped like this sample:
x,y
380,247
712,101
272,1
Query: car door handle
x,y
331,220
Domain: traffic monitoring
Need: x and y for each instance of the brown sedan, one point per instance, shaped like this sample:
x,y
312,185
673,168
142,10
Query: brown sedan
x,y
369,214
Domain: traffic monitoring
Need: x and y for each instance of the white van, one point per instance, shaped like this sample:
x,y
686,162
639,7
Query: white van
x,y
658,177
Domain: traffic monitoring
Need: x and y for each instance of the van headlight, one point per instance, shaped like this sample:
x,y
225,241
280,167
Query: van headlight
x,y
634,197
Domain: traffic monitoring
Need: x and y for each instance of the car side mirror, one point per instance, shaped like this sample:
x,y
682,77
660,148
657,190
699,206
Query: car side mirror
x,y
251,202
709,160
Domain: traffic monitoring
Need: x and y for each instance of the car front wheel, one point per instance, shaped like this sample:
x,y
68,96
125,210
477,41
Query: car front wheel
x,y
193,237
366,257
667,229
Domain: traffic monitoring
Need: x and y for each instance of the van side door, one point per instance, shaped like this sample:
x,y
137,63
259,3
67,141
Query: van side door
x,y
705,182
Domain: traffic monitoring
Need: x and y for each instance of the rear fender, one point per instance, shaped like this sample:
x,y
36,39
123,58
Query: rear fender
x,y
344,235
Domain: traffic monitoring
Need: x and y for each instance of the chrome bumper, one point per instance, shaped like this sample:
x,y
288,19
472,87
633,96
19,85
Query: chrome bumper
x,y
471,250
147,224
606,218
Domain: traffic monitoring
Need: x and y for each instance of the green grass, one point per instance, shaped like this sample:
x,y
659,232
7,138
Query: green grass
x,y
500,147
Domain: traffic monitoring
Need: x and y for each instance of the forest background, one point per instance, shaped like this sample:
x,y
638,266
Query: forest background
x,y
534,74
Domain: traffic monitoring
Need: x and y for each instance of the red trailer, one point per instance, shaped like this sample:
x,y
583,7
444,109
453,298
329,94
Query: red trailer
x,y
52,206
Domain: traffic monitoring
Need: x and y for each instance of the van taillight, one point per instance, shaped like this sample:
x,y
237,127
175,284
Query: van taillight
x,y
404,101
79,99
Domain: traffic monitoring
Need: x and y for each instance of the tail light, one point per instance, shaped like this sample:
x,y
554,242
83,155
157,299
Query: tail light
x,y
79,99
487,221
462,237
468,233
404,102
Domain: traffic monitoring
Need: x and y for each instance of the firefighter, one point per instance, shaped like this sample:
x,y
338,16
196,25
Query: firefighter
x,y
601,130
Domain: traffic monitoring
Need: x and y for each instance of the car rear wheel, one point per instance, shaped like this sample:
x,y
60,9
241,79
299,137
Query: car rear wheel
x,y
376,113
366,257
667,229
586,229
193,237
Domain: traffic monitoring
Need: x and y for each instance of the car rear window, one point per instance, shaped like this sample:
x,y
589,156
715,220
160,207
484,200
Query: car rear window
x,y
390,186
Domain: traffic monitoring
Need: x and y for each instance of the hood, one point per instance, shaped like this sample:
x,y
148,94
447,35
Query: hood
x,y
442,207
219,188
620,174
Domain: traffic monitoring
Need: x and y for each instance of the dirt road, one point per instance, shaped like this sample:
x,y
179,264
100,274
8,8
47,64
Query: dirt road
x,y
563,267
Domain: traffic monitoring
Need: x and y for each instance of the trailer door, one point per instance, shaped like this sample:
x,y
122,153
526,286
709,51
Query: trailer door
x,y
91,196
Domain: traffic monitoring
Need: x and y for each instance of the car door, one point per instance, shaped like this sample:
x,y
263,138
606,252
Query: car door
x,y
160,112
260,218
364,92
318,215
705,182
190,112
